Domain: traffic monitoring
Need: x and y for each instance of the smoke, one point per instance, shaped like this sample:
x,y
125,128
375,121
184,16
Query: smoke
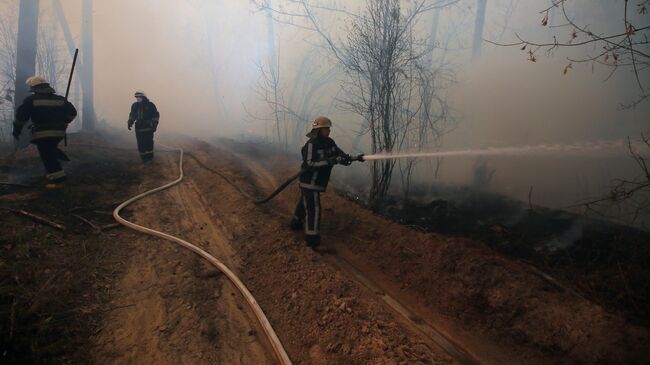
x,y
199,62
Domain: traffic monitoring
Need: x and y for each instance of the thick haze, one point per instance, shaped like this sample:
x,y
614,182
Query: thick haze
x,y
199,62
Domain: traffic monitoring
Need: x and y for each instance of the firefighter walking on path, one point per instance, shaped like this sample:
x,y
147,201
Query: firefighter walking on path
x,y
50,115
146,116
319,155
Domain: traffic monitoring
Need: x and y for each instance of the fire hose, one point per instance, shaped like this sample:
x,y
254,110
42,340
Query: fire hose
x,y
278,349
279,189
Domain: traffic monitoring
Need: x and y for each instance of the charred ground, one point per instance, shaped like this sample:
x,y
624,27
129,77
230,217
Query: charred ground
x,y
55,284
603,261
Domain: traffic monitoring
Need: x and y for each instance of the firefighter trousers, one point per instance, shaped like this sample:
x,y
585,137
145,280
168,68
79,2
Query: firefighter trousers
x,y
308,211
48,150
145,144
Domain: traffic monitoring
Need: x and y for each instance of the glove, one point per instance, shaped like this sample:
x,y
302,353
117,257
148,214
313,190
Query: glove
x,y
345,160
129,125
16,134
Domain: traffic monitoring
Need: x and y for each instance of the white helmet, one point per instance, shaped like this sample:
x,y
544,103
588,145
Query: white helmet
x,y
35,81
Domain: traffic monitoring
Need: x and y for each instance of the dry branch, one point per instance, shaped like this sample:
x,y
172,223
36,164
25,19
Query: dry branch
x,y
39,219
15,184
110,226
627,48
93,225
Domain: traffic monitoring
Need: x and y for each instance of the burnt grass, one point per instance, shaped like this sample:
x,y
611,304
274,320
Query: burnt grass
x,y
607,263
55,284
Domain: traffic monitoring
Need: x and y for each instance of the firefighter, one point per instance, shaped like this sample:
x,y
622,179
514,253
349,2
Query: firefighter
x,y
145,115
50,115
319,155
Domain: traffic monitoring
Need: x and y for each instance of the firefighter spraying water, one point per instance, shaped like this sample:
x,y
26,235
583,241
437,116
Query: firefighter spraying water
x,y
319,155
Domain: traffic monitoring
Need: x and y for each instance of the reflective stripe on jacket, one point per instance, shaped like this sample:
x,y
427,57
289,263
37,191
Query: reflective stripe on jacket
x,y
316,156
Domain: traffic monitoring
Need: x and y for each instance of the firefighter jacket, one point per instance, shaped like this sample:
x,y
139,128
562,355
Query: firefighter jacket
x,y
50,114
145,115
318,156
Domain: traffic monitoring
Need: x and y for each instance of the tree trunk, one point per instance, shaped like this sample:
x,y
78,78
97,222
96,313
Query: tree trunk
x,y
67,35
382,173
274,72
433,38
88,116
478,29
26,46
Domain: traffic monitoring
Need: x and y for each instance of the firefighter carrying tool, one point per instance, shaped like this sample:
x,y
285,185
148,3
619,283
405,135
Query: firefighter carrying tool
x,y
146,116
319,155
50,115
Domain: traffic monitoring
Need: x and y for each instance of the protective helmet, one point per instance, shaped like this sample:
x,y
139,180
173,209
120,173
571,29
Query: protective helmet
x,y
140,94
35,81
321,122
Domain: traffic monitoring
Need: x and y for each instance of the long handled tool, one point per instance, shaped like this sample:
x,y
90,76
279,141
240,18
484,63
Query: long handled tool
x,y
67,90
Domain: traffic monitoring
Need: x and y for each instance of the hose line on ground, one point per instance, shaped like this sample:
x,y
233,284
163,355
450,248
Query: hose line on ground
x,y
277,191
278,349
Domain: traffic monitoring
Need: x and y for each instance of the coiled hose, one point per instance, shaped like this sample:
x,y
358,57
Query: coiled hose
x,y
278,349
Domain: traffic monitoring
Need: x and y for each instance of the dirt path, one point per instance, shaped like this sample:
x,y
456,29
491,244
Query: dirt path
x,y
322,315
180,310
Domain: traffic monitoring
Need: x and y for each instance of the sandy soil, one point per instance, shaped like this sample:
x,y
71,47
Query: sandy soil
x,y
186,311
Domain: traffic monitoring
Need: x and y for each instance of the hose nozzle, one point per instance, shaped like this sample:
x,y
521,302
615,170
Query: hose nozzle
x,y
358,158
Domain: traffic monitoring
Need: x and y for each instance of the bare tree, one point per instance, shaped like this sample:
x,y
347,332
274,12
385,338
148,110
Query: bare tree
x,y
385,80
479,24
8,33
310,79
281,128
625,49
50,62
87,55
270,92
296,114
628,199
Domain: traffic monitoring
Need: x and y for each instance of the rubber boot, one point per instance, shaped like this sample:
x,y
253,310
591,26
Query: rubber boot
x,y
312,240
296,224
